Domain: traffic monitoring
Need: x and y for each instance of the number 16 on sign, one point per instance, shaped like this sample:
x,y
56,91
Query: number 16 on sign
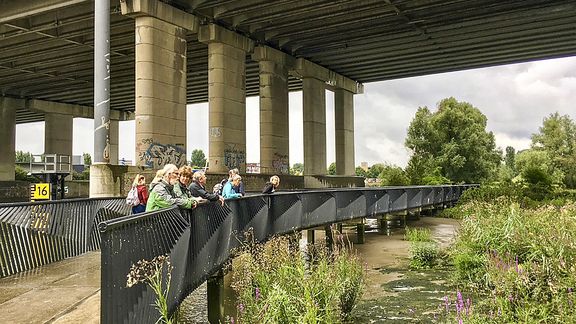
x,y
39,191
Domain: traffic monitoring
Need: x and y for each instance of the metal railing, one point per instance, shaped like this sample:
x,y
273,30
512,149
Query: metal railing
x,y
200,241
35,234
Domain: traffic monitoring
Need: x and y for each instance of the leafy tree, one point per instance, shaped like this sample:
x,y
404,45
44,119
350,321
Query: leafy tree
x,y
455,139
537,167
297,169
375,170
87,158
435,178
332,169
198,159
393,175
22,156
510,157
557,137
360,172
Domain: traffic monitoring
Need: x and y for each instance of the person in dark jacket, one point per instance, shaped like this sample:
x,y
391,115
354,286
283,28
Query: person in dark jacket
x,y
271,186
198,188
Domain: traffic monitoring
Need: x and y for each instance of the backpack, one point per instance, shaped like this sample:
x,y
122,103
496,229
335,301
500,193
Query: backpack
x,y
132,198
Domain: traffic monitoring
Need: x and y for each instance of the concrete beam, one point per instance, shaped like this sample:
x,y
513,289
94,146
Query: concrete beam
x,y
12,10
162,11
266,53
216,34
305,68
77,111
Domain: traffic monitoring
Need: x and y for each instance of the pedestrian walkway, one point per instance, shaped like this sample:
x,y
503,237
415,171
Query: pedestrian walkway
x,y
62,292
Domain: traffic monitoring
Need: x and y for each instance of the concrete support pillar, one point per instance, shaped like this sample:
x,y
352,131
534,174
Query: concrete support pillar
x,y
226,97
216,298
344,118
314,116
274,134
114,133
58,132
7,138
160,93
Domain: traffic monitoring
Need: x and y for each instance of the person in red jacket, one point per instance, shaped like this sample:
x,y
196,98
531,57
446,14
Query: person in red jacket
x,y
140,184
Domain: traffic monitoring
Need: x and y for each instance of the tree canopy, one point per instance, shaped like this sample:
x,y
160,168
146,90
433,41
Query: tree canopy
x,y
452,140
198,159
332,169
557,137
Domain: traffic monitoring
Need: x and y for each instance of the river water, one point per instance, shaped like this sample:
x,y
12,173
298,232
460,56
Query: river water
x,y
393,292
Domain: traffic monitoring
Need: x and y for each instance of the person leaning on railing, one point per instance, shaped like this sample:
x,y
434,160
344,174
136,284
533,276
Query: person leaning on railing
x,y
270,187
162,195
198,188
228,190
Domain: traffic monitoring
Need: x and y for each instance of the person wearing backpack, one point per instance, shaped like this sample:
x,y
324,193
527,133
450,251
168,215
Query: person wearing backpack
x,y
138,195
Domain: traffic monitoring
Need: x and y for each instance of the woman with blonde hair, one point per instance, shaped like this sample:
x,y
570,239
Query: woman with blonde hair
x,y
159,176
271,186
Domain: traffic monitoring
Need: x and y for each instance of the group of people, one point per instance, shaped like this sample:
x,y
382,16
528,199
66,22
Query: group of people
x,y
186,189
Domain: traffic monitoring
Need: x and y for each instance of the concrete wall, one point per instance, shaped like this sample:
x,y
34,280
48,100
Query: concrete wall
x,y
14,191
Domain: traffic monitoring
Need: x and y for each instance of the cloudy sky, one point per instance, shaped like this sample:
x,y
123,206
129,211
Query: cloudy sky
x,y
514,98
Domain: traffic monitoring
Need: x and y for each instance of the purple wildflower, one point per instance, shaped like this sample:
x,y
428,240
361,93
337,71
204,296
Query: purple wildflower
x,y
231,320
447,304
241,308
257,292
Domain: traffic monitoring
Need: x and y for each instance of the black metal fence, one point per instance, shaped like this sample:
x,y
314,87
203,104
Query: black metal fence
x,y
200,241
35,234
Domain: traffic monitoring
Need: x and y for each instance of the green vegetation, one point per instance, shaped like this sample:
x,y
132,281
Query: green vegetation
x,y
520,257
275,284
453,139
157,274
418,235
297,169
424,252
332,169
197,159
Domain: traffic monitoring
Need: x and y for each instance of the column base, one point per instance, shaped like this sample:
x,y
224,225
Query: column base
x,y
107,180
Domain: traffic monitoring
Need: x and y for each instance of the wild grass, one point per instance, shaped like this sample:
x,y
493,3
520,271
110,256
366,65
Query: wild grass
x,y
277,283
522,258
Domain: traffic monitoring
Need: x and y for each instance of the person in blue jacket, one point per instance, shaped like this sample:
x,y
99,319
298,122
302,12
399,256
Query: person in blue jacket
x,y
228,190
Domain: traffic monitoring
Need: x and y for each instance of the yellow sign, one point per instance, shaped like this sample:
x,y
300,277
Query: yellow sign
x,y
40,191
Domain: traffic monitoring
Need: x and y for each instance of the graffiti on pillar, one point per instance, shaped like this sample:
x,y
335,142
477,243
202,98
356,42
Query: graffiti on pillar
x,y
156,155
234,158
280,163
106,152
215,132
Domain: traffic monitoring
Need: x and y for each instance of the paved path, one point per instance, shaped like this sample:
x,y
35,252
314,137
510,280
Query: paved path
x,y
67,291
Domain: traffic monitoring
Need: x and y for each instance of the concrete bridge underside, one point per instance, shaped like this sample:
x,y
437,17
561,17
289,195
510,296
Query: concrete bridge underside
x,y
166,54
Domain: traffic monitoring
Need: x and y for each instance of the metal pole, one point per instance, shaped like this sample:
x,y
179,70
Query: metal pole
x,y
102,81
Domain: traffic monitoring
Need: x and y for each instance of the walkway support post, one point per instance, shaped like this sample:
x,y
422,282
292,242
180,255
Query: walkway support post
x,y
360,232
216,297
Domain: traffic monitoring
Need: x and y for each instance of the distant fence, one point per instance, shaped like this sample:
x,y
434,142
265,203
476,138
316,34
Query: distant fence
x,y
35,234
200,241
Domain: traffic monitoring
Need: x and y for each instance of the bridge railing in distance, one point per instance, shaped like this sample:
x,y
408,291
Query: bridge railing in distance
x,y
200,241
35,234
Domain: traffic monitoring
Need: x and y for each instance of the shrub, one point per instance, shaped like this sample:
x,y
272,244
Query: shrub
x,y
418,235
275,284
423,255
522,258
